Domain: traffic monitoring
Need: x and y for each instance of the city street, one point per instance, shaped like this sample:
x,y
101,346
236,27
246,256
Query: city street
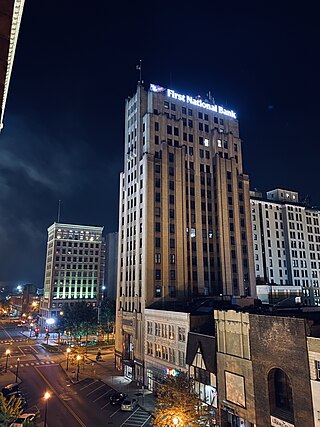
x,y
84,403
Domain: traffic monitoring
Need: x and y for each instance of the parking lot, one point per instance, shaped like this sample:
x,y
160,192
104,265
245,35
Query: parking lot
x,y
98,395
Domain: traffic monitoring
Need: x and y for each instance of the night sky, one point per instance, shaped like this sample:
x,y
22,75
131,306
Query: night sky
x,y
74,67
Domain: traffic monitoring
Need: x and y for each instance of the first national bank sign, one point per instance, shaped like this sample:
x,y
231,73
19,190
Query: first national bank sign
x,y
193,101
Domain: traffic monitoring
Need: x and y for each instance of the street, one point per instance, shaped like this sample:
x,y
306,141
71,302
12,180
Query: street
x,y
84,403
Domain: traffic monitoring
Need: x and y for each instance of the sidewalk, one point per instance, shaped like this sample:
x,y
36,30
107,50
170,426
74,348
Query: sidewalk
x,y
106,372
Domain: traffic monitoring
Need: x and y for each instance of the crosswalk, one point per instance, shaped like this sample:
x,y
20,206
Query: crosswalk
x,y
139,418
10,341
47,362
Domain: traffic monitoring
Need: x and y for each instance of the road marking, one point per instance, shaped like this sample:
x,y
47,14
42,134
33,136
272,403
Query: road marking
x,y
128,418
88,385
114,412
96,389
107,392
146,420
61,400
23,353
108,403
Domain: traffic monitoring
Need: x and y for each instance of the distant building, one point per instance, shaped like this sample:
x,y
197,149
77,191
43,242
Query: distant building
x,y
111,240
286,243
30,298
10,19
73,267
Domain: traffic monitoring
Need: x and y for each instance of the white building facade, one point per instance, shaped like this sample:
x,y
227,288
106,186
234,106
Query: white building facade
x,y
165,345
286,242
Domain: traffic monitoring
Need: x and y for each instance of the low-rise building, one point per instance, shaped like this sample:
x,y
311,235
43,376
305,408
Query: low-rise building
x,y
314,364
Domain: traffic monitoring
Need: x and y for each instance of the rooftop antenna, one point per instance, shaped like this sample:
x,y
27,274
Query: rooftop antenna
x,y
59,211
139,67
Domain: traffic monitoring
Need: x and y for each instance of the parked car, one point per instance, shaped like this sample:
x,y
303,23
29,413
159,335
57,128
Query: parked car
x,y
128,405
117,398
20,396
10,388
23,420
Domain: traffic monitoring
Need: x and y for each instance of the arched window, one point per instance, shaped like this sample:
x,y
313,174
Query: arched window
x,y
280,394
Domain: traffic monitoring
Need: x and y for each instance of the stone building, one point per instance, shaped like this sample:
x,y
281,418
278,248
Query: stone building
x,y
266,375
184,215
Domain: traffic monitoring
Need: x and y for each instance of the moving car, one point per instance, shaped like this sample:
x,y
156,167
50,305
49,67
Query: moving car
x,y
23,420
117,398
128,405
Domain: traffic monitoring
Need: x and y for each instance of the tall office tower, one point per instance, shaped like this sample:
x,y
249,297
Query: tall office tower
x,y
74,267
184,217
286,239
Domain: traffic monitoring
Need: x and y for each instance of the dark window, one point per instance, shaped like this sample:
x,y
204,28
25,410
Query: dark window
x,y
189,112
200,126
280,394
190,123
184,110
173,107
200,115
157,274
169,130
176,131
156,126
190,137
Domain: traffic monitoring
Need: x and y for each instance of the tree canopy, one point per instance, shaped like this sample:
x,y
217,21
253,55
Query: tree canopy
x,y
178,405
10,410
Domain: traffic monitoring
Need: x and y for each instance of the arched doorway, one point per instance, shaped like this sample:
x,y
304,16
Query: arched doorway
x,y
280,395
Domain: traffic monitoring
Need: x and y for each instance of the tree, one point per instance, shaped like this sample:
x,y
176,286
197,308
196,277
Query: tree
x,y
178,405
10,410
107,314
80,319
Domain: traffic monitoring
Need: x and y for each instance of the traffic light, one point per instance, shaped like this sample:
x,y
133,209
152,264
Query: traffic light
x,y
36,331
47,330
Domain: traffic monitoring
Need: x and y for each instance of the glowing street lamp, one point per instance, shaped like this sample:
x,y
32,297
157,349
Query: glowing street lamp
x,y
68,354
8,351
175,421
78,366
46,397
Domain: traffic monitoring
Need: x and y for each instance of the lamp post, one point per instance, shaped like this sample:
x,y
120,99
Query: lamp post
x,y
78,366
68,354
31,326
8,351
17,370
46,396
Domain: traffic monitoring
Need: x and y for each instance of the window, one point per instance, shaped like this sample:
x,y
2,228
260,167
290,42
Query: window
x,y
318,369
280,393
181,334
157,258
157,274
149,328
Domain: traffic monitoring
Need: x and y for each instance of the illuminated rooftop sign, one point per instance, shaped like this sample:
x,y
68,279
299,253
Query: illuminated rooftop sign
x,y
193,101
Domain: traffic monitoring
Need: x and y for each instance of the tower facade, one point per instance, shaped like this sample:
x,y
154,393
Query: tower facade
x,y
184,218
286,239
74,267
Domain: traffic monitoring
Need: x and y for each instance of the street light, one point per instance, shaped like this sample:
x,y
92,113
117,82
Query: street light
x,y
78,366
175,421
8,351
68,353
46,396
17,370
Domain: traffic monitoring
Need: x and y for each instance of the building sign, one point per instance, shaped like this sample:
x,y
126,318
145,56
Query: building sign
x,y
276,422
171,372
193,101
